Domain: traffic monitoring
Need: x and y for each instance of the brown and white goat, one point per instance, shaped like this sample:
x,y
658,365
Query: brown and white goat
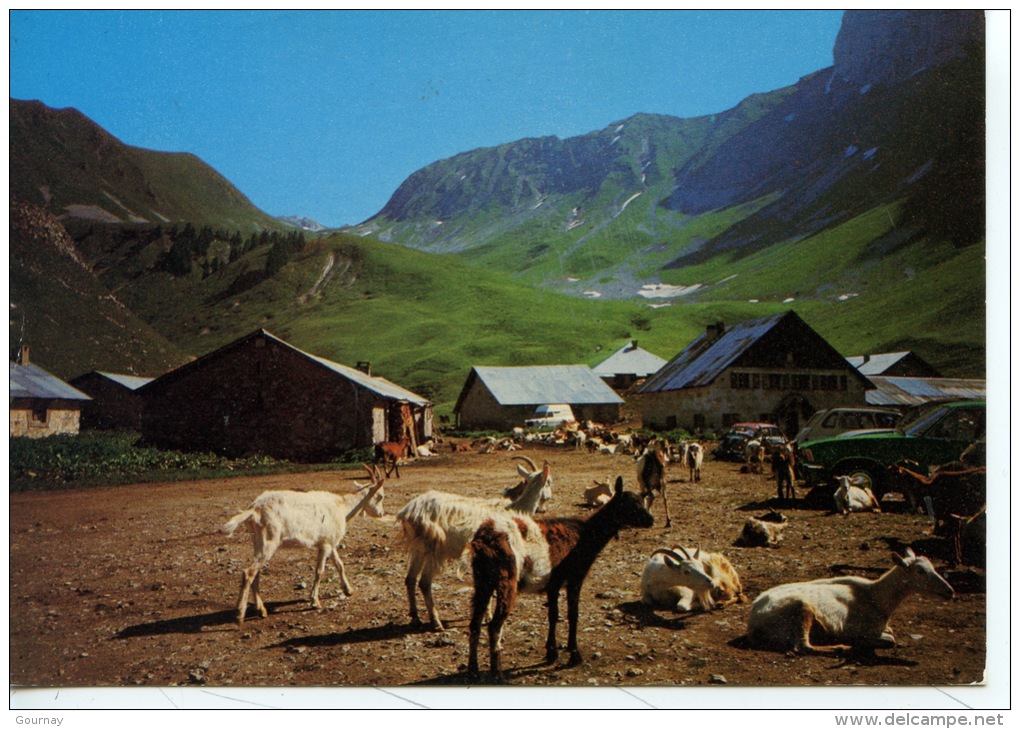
x,y
651,477
306,519
514,553
437,526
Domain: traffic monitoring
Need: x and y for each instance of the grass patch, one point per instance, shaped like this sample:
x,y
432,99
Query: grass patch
x,y
95,458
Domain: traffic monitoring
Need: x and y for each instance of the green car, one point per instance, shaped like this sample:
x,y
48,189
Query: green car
x,y
931,434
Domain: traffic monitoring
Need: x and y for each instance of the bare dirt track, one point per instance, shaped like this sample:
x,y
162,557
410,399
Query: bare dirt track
x,y
134,585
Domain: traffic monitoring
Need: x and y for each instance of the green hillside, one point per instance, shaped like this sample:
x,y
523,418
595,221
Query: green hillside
x,y
423,320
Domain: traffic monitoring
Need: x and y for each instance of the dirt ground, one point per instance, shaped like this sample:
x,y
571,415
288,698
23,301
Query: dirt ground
x,y
135,586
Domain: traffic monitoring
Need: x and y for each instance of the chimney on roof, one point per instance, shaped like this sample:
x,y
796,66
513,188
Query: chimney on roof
x,y
714,331
633,344
867,358
23,357
365,367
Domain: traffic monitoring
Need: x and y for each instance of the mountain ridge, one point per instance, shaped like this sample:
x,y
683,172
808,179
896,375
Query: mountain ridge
x,y
504,232
65,162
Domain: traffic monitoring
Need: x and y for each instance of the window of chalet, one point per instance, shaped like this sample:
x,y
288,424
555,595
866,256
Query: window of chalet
x,y
38,416
729,419
740,380
670,422
699,421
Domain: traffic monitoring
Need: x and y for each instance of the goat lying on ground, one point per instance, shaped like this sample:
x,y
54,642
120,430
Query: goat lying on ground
x,y
436,527
389,453
762,531
844,610
726,586
302,519
651,477
850,498
598,495
512,553
671,579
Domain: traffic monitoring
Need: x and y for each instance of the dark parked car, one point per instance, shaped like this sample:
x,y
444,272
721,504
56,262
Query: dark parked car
x,y
733,446
930,435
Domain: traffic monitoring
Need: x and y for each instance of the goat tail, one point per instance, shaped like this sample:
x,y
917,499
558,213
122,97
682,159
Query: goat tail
x,y
231,526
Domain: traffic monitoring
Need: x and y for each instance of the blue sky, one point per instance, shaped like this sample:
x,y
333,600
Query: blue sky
x,y
324,114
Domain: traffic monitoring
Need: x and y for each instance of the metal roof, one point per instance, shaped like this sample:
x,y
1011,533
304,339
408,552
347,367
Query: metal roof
x,y
129,381
630,359
540,385
916,390
876,364
379,385
705,359
32,381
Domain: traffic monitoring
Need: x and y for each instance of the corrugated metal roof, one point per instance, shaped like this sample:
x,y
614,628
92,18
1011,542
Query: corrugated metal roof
x,y
129,381
540,385
32,381
629,360
705,358
379,385
916,390
876,364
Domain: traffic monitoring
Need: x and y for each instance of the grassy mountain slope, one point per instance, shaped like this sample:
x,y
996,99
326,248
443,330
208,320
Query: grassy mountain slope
x,y
423,320
62,160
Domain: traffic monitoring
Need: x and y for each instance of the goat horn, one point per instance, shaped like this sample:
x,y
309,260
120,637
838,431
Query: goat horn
x,y
684,553
668,554
531,463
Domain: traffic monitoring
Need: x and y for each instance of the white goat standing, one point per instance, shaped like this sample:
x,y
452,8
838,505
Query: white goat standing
x,y
849,611
436,527
303,519
850,498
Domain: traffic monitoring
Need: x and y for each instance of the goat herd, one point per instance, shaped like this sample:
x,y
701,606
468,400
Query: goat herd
x,y
510,549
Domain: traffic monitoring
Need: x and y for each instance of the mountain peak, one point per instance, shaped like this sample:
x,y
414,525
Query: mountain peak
x,y
889,46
